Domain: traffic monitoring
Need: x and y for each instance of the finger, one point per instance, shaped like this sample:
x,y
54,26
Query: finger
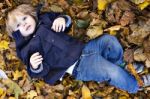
x,y
63,28
60,27
57,27
36,57
38,60
53,25
37,64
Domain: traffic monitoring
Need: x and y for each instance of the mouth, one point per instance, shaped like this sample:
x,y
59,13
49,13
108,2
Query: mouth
x,y
28,27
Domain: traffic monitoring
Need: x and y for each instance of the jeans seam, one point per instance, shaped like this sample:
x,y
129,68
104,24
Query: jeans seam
x,y
87,54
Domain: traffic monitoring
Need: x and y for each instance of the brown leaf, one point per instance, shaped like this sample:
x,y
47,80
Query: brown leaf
x,y
140,31
147,63
128,55
139,55
128,17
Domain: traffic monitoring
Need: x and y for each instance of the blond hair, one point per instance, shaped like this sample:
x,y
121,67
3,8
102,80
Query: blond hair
x,y
23,9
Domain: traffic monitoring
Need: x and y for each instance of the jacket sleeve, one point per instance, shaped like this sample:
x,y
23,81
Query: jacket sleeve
x,y
40,72
49,17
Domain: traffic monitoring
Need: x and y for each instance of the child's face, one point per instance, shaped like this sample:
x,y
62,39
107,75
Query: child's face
x,y
26,24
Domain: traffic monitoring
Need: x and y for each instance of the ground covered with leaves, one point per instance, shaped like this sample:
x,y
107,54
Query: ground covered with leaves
x,y
128,20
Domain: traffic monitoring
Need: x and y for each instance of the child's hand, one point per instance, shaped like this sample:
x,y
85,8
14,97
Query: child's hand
x,y
36,60
59,24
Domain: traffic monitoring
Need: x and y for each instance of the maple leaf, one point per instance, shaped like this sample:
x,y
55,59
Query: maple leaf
x,y
16,75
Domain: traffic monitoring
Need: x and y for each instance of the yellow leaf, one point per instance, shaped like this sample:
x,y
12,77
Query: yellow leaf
x,y
31,94
112,32
11,98
144,5
1,91
3,95
86,94
17,74
102,4
114,28
4,44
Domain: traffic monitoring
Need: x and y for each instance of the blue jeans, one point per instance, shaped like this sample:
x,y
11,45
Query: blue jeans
x,y
99,62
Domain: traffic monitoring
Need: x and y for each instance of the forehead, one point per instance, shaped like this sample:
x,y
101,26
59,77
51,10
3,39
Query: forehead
x,y
13,17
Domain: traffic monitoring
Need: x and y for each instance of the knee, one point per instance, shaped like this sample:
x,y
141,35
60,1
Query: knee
x,y
108,39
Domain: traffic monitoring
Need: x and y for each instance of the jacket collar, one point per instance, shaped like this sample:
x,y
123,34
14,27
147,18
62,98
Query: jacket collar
x,y
19,39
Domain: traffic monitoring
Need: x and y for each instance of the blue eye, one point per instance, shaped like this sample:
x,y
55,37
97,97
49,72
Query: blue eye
x,y
24,18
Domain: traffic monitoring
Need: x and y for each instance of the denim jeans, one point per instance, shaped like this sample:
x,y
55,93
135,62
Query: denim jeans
x,y
99,62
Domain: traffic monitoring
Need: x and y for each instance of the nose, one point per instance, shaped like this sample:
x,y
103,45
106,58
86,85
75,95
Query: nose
x,y
24,24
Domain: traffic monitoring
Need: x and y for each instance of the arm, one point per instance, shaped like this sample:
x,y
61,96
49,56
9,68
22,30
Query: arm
x,y
61,23
57,21
37,67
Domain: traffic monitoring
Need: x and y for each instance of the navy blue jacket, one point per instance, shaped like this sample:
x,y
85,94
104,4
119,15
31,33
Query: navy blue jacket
x,y
59,51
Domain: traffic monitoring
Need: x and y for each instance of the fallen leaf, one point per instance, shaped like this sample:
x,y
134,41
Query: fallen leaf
x,y
128,17
94,31
4,45
102,4
147,63
137,1
82,14
31,94
139,55
1,91
114,28
144,5
82,23
13,87
133,72
86,94
11,98
56,8
128,55
17,74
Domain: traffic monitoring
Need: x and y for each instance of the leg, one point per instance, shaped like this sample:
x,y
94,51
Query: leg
x,y
110,49
94,65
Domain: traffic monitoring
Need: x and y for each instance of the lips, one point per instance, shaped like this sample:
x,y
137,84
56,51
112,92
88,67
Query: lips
x,y
28,27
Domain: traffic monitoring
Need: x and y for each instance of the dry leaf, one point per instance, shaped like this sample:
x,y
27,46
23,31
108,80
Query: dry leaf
x,y
137,1
128,55
4,45
86,94
139,55
94,31
102,4
56,8
17,74
13,87
31,94
133,72
147,63
144,5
